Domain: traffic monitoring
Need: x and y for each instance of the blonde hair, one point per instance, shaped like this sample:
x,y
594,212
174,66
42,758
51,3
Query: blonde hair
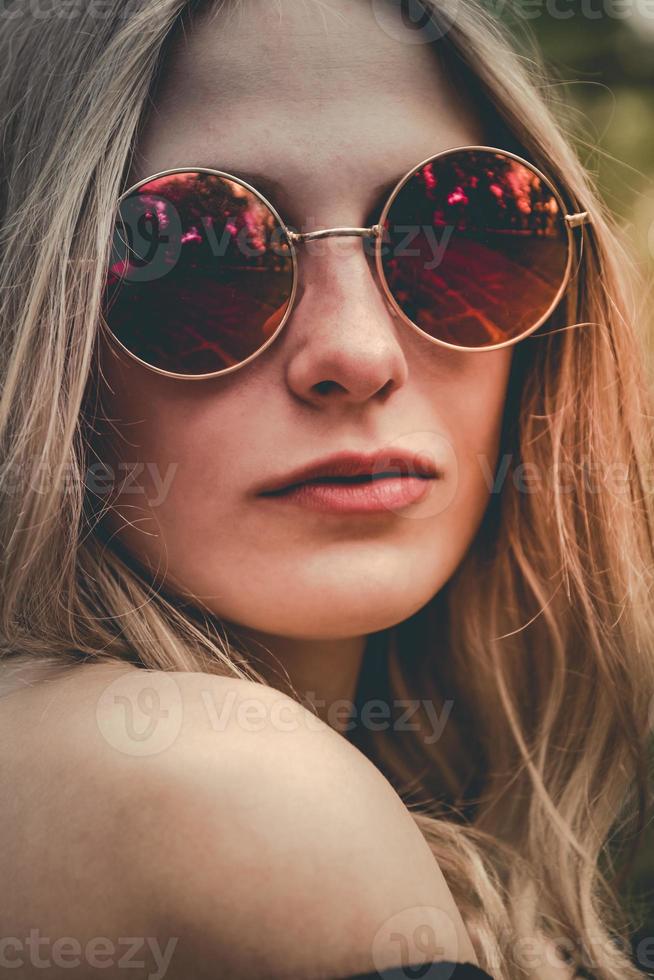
x,y
544,636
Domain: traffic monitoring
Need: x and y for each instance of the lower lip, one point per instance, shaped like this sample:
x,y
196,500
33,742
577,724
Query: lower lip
x,y
373,497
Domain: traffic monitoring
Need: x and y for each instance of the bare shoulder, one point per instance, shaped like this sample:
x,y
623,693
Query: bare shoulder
x,y
225,819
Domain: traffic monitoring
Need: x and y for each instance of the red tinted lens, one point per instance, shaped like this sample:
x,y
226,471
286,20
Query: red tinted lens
x,y
475,248
201,273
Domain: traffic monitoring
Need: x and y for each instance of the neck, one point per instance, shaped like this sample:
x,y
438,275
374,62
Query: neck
x,y
323,673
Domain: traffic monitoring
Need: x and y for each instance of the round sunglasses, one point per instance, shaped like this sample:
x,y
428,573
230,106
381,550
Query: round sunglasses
x,y
473,249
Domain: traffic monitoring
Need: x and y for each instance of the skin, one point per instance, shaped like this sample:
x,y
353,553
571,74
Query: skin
x,y
274,849
239,840
302,588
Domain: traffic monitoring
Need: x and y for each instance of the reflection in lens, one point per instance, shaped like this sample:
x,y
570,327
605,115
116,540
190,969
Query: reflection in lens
x,y
201,273
475,248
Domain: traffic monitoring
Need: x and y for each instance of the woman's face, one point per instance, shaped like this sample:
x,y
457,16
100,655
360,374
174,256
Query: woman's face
x,y
330,103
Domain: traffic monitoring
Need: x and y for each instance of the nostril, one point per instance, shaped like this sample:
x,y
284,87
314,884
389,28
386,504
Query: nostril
x,y
324,387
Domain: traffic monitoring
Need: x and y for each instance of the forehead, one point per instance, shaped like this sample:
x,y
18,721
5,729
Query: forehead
x,y
320,94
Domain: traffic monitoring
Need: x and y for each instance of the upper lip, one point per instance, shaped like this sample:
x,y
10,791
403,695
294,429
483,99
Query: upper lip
x,y
394,462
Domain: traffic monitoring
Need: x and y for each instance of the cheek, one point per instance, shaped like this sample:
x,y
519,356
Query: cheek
x,y
160,458
473,413
179,474
187,513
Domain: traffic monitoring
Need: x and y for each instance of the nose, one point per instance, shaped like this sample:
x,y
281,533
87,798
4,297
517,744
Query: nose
x,y
342,333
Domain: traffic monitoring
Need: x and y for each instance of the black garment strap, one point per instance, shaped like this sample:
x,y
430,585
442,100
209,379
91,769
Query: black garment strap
x,y
443,970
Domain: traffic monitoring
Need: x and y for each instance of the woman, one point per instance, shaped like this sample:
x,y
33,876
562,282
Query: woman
x,y
379,726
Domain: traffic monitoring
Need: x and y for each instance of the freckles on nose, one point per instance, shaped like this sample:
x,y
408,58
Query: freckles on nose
x,y
344,335
342,295
338,268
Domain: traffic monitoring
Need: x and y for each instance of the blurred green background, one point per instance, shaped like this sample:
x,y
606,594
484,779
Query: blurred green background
x,y
602,54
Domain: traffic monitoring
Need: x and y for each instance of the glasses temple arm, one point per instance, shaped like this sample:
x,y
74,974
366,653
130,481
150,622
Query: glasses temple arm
x,y
580,218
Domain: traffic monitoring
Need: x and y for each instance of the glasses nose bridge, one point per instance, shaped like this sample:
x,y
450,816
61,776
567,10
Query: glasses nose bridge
x,y
373,232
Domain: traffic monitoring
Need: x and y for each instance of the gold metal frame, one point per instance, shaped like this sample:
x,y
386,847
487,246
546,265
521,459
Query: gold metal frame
x,y
572,220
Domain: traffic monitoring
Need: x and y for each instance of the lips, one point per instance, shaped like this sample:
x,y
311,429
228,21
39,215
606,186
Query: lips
x,y
349,467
